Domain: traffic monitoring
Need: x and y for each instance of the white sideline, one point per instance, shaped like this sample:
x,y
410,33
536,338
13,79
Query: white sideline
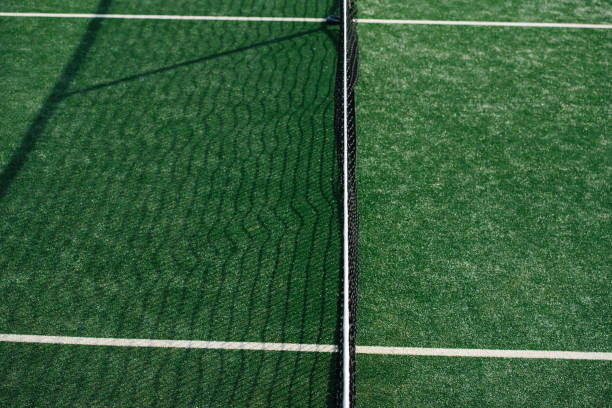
x,y
165,17
316,348
188,344
483,23
308,20
448,352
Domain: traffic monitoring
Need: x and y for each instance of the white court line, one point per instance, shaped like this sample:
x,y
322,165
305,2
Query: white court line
x,y
483,23
189,344
317,348
448,352
307,20
165,17
346,321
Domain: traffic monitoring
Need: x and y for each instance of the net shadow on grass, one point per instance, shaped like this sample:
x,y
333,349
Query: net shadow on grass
x,y
51,103
187,63
216,206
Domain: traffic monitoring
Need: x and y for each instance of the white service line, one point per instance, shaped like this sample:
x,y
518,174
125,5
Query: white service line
x,y
483,23
316,348
448,352
307,20
165,17
191,344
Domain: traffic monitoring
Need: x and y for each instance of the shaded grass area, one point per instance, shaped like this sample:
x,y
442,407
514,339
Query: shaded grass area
x,y
75,376
566,11
485,188
29,71
191,202
257,8
179,181
469,382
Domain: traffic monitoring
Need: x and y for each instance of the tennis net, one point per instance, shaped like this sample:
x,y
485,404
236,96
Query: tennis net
x,y
346,136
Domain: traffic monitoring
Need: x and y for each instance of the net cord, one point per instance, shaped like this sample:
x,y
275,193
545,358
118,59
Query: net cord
x,y
346,311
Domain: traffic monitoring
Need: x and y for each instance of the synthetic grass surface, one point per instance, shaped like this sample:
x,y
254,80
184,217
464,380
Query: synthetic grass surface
x,y
180,191
562,11
475,382
485,199
75,376
179,180
485,188
27,79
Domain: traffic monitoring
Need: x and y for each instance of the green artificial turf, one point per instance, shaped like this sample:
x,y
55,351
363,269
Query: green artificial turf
x,y
476,382
26,80
173,180
485,185
77,376
485,199
178,188
565,11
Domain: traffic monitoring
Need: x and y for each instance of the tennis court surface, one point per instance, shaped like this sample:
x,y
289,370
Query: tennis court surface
x,y
176,227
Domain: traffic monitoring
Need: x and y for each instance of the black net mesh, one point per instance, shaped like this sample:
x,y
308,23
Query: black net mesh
x,y
352,59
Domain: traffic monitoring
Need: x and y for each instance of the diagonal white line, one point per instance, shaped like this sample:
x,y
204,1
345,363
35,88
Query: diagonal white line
x,y
483,23
315,348
164,17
